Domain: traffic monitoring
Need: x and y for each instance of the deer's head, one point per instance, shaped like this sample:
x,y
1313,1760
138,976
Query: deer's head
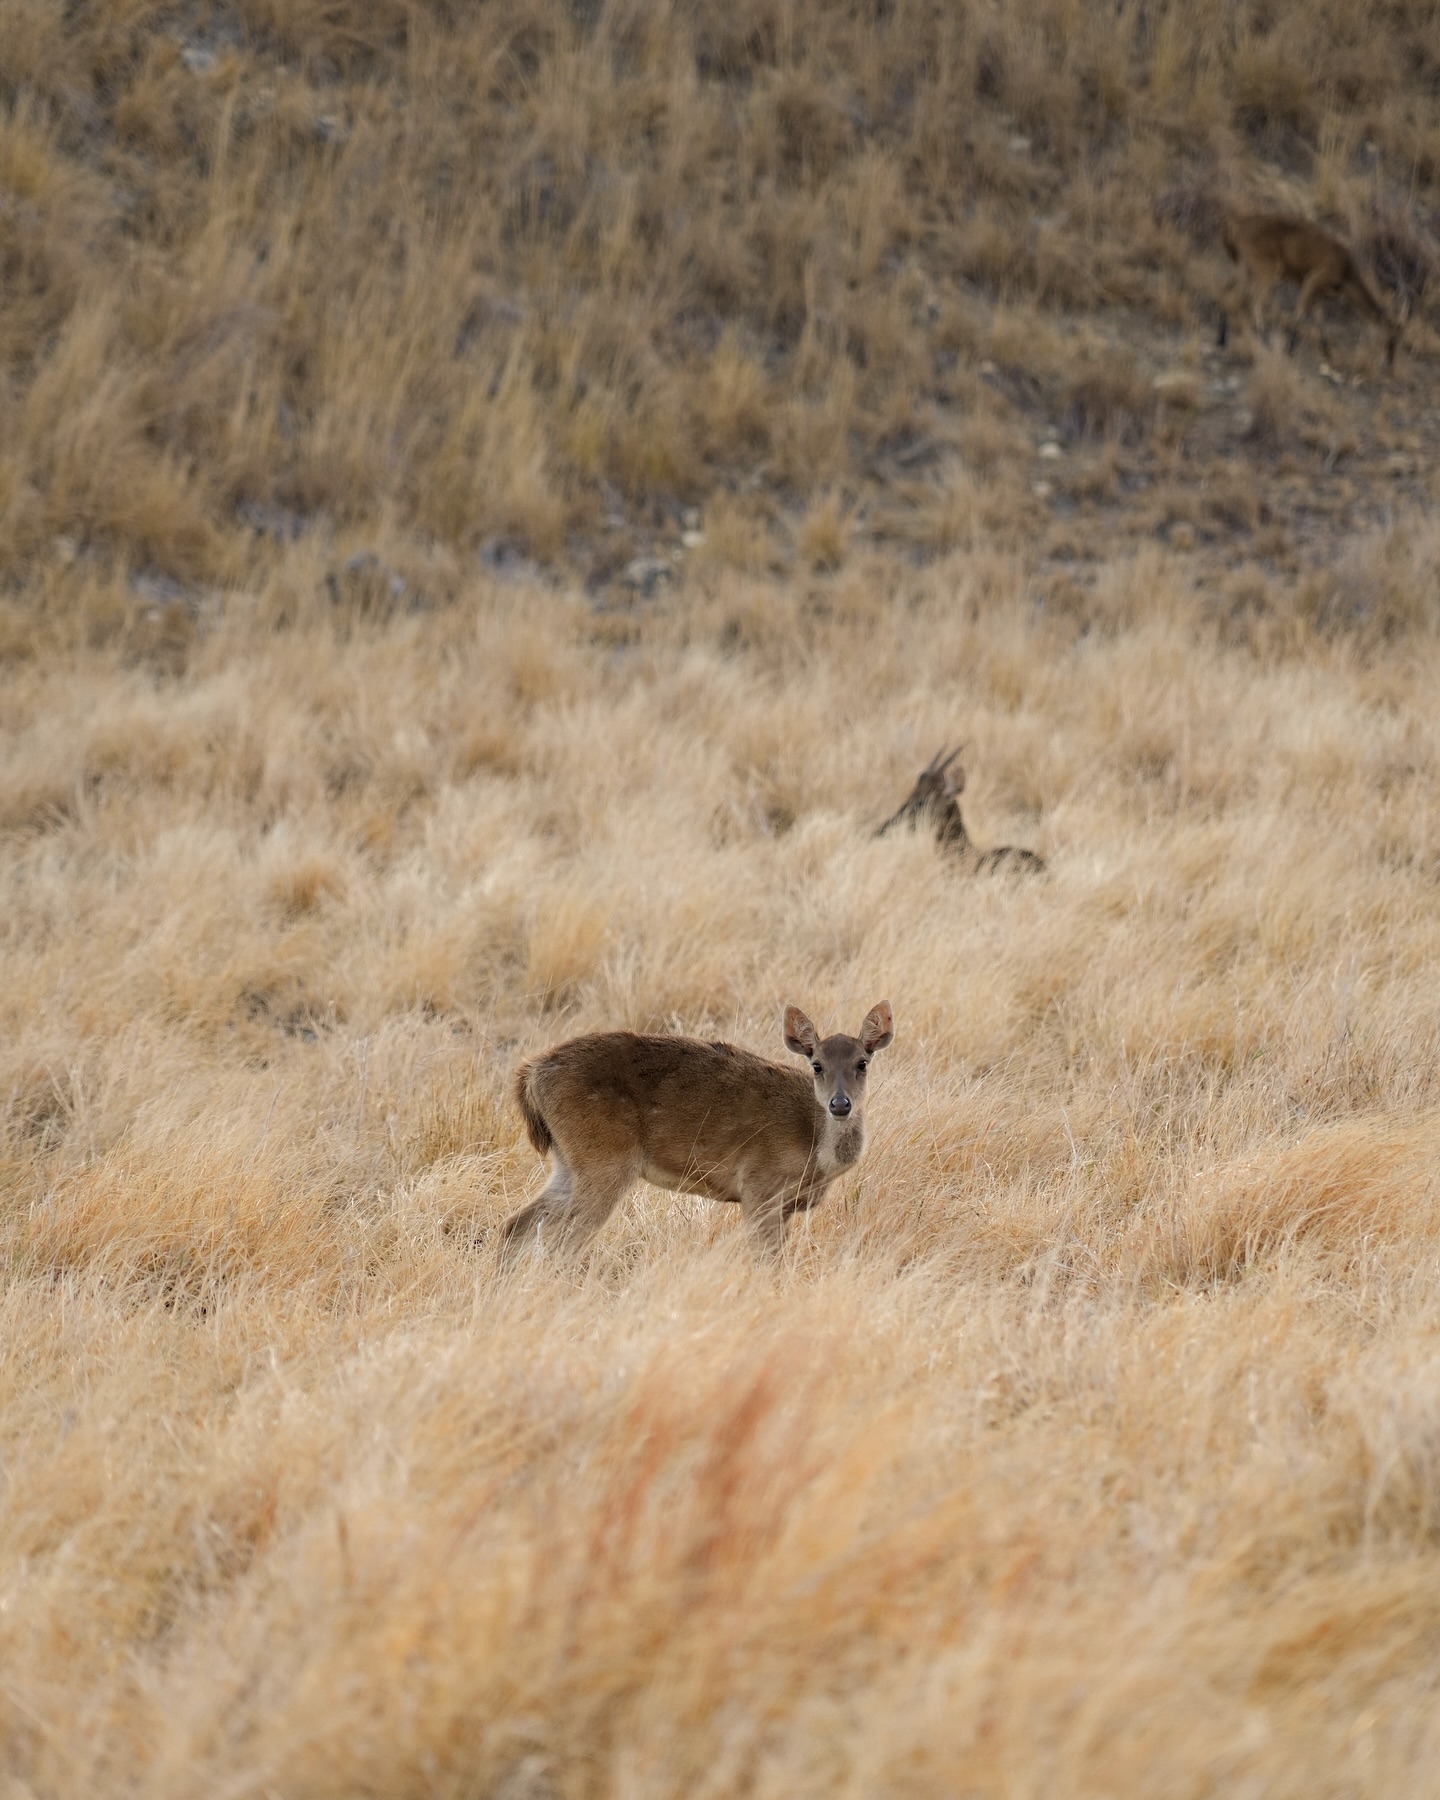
x,y
839,1064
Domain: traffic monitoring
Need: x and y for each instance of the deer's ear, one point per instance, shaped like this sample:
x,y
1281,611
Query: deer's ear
x,y
799,1032
878,1029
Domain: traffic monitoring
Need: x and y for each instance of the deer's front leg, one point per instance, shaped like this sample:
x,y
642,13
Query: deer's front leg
x,y
766,1213
806,1197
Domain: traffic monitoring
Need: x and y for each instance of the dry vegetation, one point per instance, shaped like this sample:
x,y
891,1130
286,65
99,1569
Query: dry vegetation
x,y
1087,1441
496,505
541,276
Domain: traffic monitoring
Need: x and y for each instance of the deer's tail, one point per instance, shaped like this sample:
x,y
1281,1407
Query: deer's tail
x,y
536,1129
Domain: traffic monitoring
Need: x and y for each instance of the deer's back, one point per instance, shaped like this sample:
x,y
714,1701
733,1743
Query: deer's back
x,y
680,1102
1291,247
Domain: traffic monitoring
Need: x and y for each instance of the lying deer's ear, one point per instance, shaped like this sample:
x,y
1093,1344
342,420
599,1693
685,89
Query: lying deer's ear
x,y
878,1029
799,1032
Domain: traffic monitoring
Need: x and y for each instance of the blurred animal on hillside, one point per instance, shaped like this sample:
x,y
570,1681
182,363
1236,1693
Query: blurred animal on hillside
x,y
935,800
698,1118
1271,247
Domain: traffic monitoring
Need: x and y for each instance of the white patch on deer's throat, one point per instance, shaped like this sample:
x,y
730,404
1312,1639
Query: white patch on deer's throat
x,y
841,1142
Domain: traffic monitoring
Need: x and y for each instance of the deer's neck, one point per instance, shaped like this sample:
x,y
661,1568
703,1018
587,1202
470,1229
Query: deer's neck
x,y
949,826
838,1143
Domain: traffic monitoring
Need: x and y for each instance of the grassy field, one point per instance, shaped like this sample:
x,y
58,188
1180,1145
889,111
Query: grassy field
x,y
496,505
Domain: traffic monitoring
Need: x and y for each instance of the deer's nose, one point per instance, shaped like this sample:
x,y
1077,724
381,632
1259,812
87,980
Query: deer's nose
x,y
840,1105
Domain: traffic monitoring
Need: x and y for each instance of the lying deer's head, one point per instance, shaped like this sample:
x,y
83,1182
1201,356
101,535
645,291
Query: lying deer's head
x,y
935,797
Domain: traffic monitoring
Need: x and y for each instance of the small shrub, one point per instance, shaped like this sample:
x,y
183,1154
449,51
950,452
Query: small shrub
x,y
1107,396
823,536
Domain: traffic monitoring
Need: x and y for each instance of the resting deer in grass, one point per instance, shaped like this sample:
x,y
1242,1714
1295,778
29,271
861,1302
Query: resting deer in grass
x,y
935,798
698,1118
1272,247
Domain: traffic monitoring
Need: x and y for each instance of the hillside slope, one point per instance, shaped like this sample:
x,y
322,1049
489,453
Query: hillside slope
x,y
541,277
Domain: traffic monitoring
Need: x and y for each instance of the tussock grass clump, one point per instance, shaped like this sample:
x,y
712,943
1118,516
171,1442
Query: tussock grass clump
x,y
1275,396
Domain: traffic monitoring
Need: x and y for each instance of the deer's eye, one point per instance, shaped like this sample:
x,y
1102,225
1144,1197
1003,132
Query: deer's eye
x,y
819,1068
861,1066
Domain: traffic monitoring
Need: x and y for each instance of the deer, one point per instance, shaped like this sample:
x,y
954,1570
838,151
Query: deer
x,y
700,1118
1271,247
935,797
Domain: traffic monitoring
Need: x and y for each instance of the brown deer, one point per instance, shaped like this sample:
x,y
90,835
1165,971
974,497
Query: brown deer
x,y
935,798
699,1118
1271,247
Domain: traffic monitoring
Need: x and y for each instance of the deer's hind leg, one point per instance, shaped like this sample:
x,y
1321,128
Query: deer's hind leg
x,y
597,1188
576,1201
552,1202
1314,284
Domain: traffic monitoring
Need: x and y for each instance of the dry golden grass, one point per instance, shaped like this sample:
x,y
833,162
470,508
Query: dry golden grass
x,y
496,504
1085,1441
